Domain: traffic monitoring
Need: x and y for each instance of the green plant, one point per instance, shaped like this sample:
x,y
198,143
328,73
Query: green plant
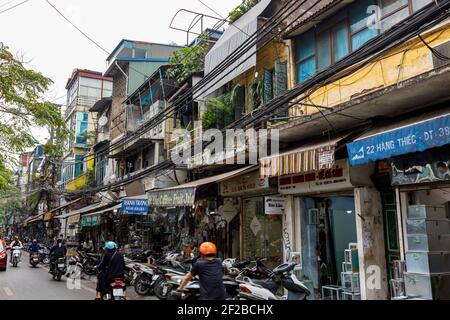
x,y
186,61
256,88
219,112
241,9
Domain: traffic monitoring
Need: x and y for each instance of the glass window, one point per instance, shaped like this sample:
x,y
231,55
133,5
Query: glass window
x,y
81,128
359,17
419,4
306,70
340,41
323,50
306,56
390,21
78,165
389,6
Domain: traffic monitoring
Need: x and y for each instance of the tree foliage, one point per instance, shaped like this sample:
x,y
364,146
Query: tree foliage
x,y
22,107
188,60
241,9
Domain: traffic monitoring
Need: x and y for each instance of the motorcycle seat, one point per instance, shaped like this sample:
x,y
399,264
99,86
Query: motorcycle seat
x,y
267,283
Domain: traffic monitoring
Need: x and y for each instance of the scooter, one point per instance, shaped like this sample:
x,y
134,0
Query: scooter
x,y
116,290
146,276
16,254
34,259
192,290
251,289
59,269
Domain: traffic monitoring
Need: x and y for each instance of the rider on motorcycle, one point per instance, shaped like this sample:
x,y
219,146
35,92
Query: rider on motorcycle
x,y
34,248
111,267
15,243
210,271
59,250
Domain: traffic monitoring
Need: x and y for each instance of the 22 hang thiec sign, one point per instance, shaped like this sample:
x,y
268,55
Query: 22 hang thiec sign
x,y
409,139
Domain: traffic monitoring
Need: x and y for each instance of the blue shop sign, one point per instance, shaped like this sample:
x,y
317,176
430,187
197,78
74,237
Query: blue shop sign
x,y
134,206
409,139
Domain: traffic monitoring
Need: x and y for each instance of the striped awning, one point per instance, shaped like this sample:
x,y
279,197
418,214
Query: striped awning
x,y
305,159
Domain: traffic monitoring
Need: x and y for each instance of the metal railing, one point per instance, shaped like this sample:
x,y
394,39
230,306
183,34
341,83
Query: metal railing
x,y
82,101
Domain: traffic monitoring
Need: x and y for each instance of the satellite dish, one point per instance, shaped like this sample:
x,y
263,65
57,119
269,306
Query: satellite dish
x,y
102,121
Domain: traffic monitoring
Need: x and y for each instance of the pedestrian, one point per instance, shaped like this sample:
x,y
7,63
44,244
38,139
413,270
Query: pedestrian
x,y
111,267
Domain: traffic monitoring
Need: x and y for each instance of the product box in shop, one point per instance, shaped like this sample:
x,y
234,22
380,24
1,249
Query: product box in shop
x,y
426,242
427,226
428,262
427,212
428,286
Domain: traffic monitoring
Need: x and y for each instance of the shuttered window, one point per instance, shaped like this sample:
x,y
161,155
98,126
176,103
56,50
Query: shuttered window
x,y
239,102
268,85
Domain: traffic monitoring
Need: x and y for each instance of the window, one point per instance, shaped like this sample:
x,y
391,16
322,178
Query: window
x,y
81,128
346,31
78,165
306,54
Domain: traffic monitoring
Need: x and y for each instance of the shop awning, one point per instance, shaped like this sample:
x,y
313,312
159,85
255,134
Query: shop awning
x,y
94,207
184,195
233,38
409,136
308,158
91,220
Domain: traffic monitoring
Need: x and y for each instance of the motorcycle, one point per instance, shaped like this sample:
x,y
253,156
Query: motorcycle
x,y
59,269
145,278
88,262
116,290
16,254
34,259
192,290
255,289
44,255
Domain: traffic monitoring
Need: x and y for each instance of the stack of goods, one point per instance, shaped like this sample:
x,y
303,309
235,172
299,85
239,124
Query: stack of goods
x,y
350,274
398,281
428,256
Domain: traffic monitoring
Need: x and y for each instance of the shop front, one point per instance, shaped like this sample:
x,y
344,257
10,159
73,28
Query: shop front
x,y
134,226
186,215
416,154
324,220
254,232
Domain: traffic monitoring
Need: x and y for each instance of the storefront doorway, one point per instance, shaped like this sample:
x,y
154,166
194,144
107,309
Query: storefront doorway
x,y
328,226
261,233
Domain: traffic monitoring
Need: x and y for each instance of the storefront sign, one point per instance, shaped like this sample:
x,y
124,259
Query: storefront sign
x,y
74,219
48,216
417,137
320,181
90,220
423,168
243,184
274,205
134,206
172,198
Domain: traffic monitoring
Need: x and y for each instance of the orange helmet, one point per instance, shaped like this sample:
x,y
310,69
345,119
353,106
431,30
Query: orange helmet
x,y
207,248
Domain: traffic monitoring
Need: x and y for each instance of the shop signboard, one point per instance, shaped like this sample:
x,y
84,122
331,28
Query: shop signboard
x,y
90,220
245,183
274,205
73,219
172,198
134,206
409,139
422,168
337,178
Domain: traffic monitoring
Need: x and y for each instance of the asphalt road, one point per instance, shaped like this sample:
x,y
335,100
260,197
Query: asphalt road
x,y
28,283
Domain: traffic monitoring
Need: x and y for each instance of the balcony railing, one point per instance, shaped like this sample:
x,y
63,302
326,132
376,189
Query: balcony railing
x,y
100,171
82,101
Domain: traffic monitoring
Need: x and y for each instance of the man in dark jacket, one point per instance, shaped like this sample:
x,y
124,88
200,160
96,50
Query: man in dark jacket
x,y
210,272
111,267
59,250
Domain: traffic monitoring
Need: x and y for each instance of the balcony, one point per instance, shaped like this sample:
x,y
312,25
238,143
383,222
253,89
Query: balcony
x,y
82,101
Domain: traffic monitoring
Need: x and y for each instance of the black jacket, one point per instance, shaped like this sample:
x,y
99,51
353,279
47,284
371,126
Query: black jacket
x,y
58,251
113,265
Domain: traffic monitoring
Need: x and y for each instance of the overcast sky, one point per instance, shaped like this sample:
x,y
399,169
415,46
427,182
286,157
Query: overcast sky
x,y
53,47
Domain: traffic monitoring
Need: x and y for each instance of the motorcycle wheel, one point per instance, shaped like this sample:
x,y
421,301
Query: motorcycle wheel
x,y
59,276
15,263
89,270
158,289
46,261
139,287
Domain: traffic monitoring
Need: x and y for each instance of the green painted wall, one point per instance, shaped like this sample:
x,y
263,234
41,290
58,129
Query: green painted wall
x,y
136,79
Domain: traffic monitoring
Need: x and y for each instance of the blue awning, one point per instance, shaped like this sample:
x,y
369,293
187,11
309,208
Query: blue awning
x,y
415,137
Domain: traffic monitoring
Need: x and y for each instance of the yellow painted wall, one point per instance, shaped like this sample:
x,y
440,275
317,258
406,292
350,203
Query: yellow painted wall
x,y
77,183
410,60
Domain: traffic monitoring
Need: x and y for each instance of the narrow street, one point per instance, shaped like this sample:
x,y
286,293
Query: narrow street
x,y
28,283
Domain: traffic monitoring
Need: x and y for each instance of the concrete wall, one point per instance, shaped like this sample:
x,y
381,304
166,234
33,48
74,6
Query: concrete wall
x,y
371,246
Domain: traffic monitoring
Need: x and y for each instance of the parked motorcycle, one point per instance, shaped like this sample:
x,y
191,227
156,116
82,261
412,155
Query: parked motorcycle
x,y
192,290
34,259
88,262
59,269
16,254
254,289
146,276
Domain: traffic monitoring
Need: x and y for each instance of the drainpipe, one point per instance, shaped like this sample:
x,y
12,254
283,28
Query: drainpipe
x,y
126,93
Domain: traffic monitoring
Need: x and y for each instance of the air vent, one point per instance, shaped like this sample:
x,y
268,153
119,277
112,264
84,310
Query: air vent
x,y
443,49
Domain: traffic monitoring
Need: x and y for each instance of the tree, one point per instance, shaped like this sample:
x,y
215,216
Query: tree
x,y
22,107
241,9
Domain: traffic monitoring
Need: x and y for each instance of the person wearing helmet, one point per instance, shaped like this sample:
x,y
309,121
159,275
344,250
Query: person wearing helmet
x,y
15,243
111,267
210,272
59,250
